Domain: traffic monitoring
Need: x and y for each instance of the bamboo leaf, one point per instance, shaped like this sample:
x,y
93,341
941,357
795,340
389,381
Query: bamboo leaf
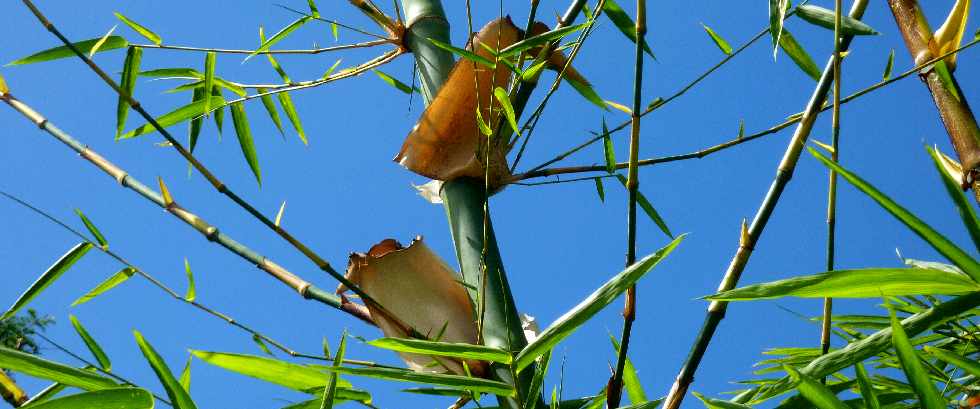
x,y
711,403
888,66
185,375
261,344
191,294
480,123
448,349
143,31
648,208
245,139
292,376
862,283
330,393
110,43
817,393
401,86
282,208
608,149
98,44
280,35
184,113
93,346
586,91
272,60
31,365
537,381
600,190
92,229
532,72
942,69
539,40
925,389
106,285
287,106
777,12
631,381
465,54
720,42
963,207
623,22
314,12
867,390
209,63
48,277
270,107
574,318
619,106
127,84
970,366
945,247
455,381
331,69
822,17
178,396
219,113
3,86
335,31
165,192
114,398
799,56
504,99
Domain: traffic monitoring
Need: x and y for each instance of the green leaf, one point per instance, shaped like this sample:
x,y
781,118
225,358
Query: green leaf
x,y
537,381
631,382
963,207
330,393
270,107
817,393
888,66
34,366
245,139
287,106
533,71
314,12
191,294
219,113
712,403
922,384
273,62
455,381
401,86
92,229
93,346
111,43
465,54
599,189
623,22
438,392
777,12
178,396
539,40
942,70
970,366
3,86
46,394
49,276
608,149
799,56
335,31
127,84
292,376
106,285
574,318
825,18
185,375
209,63
586,91
331,69
448,349
945,247
720,42
98,44
184,113
280,35
867,390
648,208
504,99
261,344
143,31
115,398
861,283
480,123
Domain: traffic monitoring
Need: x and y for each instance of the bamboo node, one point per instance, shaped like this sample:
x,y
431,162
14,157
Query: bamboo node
x,y
211,233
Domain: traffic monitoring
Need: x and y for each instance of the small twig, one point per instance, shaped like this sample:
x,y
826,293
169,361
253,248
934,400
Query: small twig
x,y
365,44
339,24
828,303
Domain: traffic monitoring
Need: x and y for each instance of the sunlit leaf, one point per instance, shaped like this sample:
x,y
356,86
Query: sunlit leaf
x,y
330,393
106,285
37,367
867,390
623,22
127,84
244,133
287,106
48,277
178,396
401,86
967,215
93,346
165,192
334,30
282,208
825,18
191,294
799,56
448,349
631,381
468,55
261,344
777,12
331,69
504,99
178,115
599,189
482,124
888,66
863,283
970,366
608,148
143,31
712,403
272,60
456,381
588,92
620,107
3,86
720,42
648,208
98,44
293,376
185,375
539,40
92,229
817,393
209,63
110,43
280,35
270,108
922,384
115,398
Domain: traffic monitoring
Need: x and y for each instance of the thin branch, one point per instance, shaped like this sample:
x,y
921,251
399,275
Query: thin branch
x,y
365,44
339,24
559,181
828,303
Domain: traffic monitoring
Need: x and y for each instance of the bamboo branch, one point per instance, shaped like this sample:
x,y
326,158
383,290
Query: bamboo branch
x,y
828,303
209,231
749,237
365,44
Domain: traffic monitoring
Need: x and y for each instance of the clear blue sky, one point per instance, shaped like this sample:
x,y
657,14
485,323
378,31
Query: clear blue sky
x,y
559,242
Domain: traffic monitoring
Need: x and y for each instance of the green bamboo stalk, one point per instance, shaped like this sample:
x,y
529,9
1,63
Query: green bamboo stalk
x,y
614,389
954,110
426,19
10,391
828,303
716,310
304,288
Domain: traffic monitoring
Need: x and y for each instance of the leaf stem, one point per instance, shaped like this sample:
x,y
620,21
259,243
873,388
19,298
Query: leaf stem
x,y
828,303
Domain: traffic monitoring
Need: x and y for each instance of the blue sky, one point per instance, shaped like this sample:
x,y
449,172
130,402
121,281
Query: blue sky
x,y
559,242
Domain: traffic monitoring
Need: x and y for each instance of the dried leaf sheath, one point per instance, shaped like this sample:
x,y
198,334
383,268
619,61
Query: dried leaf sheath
x,y
424,292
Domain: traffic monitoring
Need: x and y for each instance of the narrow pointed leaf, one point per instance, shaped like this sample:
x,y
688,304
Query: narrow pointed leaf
x,y
335,31
290,375
330,393
196,123
165,192
448,349
817,393
270,107
799,56
287,106
282,208
273,62
314,12
178,396
888,66
93,346
631,381
127,84
481,124
401,86
191,294
92,229
31,365
219,113
922,384
623,22
106,285
720,42
777,12
46,394
49,276
600,190
98,44
608,148
945,247
648,208
115,398
504,100
178,115
3,86
539,40
210,60
587,92
967,215
185,375
455,381
465,54
863,283
970,366
244,133
712,403
280,35
143,31
619,106
110,43
532,72
537,381
332,68
574,318
825,18
867,389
